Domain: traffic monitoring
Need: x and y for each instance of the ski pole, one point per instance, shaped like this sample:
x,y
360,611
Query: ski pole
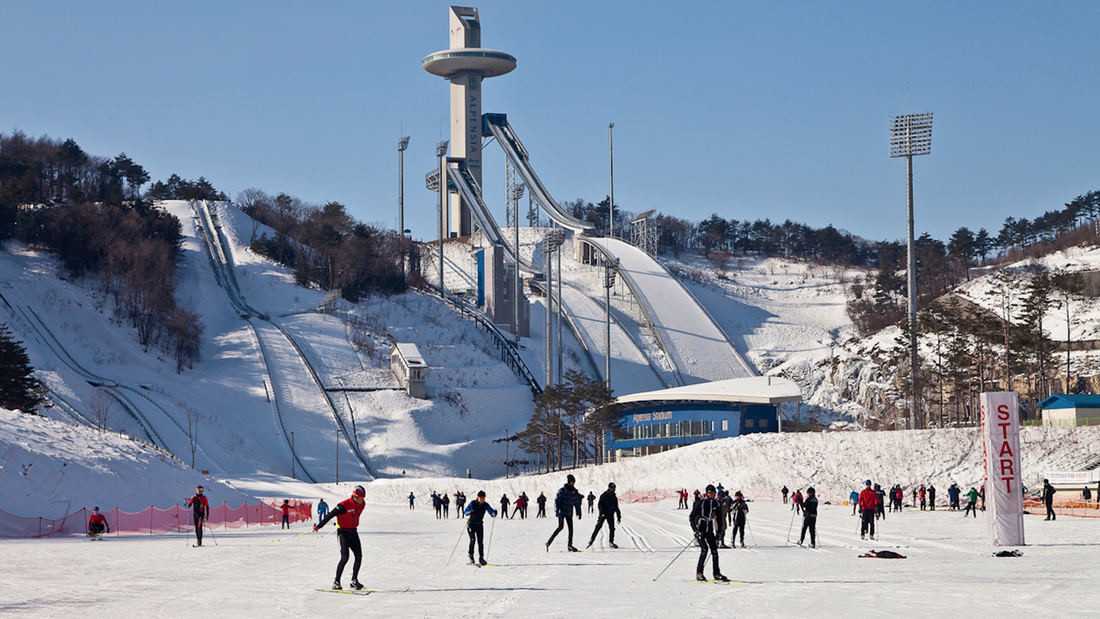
x,y
752,535
453,550
790,526
682,550
209,530
492,528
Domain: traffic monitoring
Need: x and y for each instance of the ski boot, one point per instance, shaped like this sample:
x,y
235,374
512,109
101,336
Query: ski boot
x,y
482,562
720,578
336,586
471,559
355,584
573,549
614,545
699,576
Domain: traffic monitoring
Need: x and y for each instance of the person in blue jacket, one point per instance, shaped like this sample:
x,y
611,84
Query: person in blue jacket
x,y
322,510
853,498
566,502
475,513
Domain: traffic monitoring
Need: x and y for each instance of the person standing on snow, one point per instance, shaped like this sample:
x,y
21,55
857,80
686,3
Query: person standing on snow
x,y
809,518
609,511
475,513
724,503
683,499
504,503
412,501
591,502
784,491
880,506
931,498
285,508
200,512
971,502
853,498
322,510
704,523
437,505
542,506
1048,499
1086,495
566,502
347,513
97,523
460,504
446,500
922,496
739,510
868,506
796,501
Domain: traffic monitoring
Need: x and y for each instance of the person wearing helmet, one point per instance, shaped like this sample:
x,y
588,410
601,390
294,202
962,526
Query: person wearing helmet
x,y
200,511
809,518
475,513
609,511
97,524
347,513
704,522
566,502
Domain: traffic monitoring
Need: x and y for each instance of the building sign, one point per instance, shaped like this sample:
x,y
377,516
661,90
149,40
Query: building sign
x,y
658,416
1000,431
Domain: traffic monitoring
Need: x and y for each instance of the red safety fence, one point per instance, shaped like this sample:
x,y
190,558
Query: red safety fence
x,y
1080,509
175,519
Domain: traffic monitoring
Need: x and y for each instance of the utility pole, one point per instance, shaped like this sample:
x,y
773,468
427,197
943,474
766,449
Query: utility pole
x,y
911,134
611,192
441,153
610,268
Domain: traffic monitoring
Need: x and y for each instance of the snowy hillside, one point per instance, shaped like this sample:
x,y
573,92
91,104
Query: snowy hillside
x,y
832,462
50,468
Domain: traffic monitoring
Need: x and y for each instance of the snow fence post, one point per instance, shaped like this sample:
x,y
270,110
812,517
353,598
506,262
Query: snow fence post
x,y
116,521
179,528
225,515
150,520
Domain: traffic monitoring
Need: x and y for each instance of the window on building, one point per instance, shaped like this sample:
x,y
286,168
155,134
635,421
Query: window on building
x,y
725,425
750,423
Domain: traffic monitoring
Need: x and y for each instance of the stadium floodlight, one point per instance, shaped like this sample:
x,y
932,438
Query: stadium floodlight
x,y
911,135
553,240
402,144
441,153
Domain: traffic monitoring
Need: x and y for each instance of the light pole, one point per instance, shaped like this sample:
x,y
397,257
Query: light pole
x,y
910,135
611,192
552,241
561,371
402,144
441,153
610,268
517,193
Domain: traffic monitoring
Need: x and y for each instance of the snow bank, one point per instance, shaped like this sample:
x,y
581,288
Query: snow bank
x,y
49,468
833,462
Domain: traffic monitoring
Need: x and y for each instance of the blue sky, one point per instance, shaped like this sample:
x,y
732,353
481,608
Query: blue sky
x,y
751,110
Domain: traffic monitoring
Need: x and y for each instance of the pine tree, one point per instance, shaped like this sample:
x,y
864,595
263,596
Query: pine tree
x,y
19,389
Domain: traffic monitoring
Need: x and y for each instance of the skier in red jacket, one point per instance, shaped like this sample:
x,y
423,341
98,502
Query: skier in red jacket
x,y
97,524
347,513
868,504
200,512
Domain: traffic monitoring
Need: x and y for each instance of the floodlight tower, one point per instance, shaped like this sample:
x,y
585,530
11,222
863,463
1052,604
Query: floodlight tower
x,y
910,135
402,144
465,65
610,269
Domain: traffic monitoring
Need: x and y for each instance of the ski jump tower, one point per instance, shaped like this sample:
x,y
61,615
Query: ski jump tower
x,y
466,64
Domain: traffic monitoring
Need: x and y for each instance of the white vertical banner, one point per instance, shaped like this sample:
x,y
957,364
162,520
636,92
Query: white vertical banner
x,y
1000,417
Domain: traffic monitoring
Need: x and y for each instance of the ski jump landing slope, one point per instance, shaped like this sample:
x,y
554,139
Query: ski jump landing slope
x,y
696,344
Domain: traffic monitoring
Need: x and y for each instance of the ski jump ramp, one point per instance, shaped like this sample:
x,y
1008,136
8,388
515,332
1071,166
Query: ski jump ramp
x,y
697,346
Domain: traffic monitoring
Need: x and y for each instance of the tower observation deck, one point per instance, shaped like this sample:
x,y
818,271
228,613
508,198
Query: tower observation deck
x,y
465,65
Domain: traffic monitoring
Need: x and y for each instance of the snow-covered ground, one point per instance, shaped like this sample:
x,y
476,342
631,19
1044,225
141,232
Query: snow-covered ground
x,y
264,572
50,468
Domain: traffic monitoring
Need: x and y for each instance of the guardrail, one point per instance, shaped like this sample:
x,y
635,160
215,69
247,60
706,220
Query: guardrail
x,y
505,346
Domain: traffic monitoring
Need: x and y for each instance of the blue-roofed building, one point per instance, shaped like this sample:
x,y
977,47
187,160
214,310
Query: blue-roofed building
x,y
1070,410
658,421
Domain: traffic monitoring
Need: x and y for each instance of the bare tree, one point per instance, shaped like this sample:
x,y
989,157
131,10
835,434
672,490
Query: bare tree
x,y
101,409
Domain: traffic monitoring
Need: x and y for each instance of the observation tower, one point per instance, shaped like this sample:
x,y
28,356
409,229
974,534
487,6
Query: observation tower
x,y
465,65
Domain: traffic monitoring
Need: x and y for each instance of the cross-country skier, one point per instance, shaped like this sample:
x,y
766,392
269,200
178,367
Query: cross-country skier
x,y
412,501
796,501
683,499
542,506
784,491
609,511
724,503
591,502
460,504
931,497
285,508
809,518
916,494
446,500
922,495
437,505
322,510
520,507
97,523
200,511
880,506
347,513
566,502
853,498
739,510
704,523
971,502
868,505
475,513
504,503
1048,499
